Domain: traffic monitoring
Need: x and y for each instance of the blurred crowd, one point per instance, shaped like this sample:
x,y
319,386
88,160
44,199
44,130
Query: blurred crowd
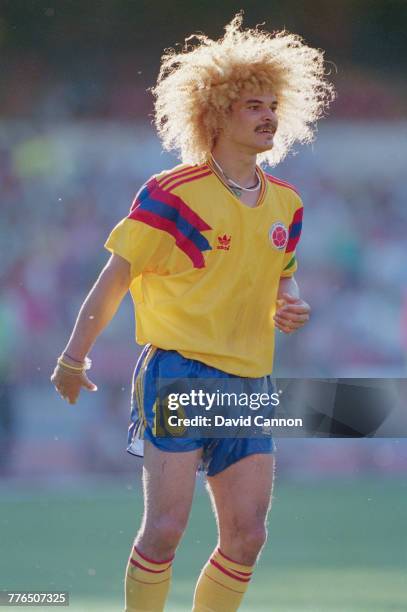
x,y
64,185
119,90
63,188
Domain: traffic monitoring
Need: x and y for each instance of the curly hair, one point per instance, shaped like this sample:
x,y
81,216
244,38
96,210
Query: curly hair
x,y
197,86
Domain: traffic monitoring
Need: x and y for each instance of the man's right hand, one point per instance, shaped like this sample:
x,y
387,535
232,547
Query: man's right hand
x,y
68,383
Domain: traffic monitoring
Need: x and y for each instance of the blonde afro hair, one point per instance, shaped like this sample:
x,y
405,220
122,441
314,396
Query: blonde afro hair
x,y
197,86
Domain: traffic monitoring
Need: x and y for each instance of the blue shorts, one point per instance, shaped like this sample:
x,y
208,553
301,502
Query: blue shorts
x,y
218,453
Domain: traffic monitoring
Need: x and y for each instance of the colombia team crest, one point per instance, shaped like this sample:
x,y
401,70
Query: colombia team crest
x,y
278,235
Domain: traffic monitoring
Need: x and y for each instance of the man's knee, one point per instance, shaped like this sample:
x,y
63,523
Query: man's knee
x,y
166,531
252,538
245,541
169,530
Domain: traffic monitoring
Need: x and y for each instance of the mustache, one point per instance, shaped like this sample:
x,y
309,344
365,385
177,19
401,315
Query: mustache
x,y
266,126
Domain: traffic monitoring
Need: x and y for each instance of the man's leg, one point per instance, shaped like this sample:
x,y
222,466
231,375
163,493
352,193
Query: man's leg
x,y
169,481
241,498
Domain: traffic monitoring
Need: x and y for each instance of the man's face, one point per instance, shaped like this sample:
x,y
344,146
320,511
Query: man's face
x,y
252,122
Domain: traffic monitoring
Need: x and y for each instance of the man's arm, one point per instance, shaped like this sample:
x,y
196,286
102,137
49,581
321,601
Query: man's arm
x,y
96,312
292,312
288,285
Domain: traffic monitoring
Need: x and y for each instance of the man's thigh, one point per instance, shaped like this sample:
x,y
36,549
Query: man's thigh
x,y
242,492
168,482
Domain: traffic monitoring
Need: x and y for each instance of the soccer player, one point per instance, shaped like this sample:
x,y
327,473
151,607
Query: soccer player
x,y
208,253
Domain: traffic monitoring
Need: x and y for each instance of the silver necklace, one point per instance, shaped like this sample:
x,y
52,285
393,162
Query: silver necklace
x,y
235,187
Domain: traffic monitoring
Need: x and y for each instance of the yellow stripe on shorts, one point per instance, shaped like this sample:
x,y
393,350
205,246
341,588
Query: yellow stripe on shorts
x,y
139,385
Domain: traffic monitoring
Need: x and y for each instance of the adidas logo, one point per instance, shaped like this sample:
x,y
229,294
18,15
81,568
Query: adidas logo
x,y
224,242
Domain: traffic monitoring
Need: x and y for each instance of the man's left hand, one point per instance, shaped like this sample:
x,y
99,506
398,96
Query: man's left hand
x,y
292,314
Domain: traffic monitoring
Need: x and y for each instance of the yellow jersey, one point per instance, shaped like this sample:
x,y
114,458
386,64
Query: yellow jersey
x,y
205,268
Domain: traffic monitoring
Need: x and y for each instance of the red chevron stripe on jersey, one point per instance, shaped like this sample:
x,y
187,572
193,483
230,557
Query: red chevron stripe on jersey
x,y
157,193
294,231
169,178
193,178
277,181
182,242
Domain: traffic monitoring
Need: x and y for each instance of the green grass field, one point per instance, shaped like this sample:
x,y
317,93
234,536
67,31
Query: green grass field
x,y
333,547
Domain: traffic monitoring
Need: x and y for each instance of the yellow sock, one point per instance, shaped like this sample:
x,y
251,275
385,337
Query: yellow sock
x,y
147,583
221,585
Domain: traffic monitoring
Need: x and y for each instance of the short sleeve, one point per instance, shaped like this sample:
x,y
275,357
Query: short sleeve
x,y
290,264
139,244
142,244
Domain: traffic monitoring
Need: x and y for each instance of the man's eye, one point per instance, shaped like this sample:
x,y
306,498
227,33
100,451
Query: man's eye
x,y
254,107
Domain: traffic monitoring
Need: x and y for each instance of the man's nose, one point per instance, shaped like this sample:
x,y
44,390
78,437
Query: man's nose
x,y
269,114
